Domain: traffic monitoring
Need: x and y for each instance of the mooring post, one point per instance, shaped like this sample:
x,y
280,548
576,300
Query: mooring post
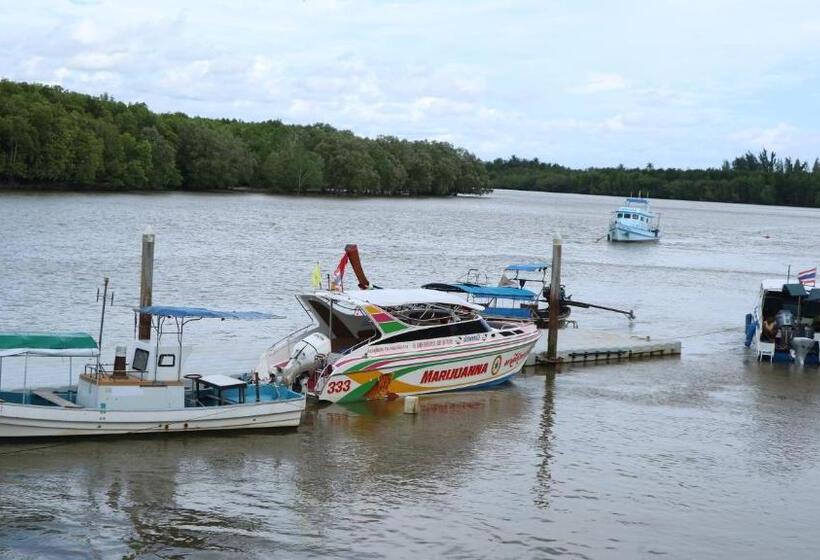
x,y
555,300
146,282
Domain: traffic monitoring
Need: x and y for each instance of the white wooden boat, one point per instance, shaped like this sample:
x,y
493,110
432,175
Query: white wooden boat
x,y
634,221
374,344
149,394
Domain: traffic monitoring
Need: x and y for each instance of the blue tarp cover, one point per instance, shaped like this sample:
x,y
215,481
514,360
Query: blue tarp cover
x,y
201,313
532,267
475,290
515,312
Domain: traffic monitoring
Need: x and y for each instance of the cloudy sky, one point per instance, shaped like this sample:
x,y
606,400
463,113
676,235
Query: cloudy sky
x,y
579,82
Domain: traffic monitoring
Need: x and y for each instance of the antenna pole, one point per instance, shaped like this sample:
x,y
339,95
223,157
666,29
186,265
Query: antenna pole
x,y
102,319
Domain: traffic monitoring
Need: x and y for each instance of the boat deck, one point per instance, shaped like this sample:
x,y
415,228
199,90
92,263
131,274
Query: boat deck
x,y
583,345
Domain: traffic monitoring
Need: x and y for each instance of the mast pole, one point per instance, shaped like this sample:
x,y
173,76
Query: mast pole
x,y
555,300
102,320
146,282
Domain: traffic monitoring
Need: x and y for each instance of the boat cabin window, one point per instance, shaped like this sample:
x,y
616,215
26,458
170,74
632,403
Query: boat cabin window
x,y
167,360
620,214
140,361
349,328
453,329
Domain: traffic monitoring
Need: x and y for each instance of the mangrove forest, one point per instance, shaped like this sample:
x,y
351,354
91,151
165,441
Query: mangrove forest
x,y
51,137
761,178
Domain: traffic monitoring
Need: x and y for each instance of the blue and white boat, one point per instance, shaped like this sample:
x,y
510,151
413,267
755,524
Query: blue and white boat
x,y
634,221
146,395
511,298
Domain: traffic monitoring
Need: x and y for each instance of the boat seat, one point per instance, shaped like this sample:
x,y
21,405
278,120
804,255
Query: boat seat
x,y
54,398
765,349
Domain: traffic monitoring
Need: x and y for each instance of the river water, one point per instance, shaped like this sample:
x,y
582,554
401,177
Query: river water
x,y
710,455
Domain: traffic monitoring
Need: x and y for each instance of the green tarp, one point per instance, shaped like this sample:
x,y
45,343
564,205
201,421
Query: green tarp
x,y
47,344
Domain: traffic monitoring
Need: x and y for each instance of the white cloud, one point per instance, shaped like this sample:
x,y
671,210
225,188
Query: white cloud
x,y
601,82
567,82
781,136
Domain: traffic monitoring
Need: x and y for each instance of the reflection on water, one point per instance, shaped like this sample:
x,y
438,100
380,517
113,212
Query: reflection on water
x,y
541,490
711,455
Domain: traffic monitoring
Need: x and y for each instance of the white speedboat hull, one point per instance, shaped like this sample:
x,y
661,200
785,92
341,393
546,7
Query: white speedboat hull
x,y
402,370
29,421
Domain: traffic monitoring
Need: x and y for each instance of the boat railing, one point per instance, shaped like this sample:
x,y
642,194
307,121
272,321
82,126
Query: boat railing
x,y
98,370
290,340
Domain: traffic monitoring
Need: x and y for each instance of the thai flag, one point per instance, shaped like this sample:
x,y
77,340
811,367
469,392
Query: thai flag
x,y
807,277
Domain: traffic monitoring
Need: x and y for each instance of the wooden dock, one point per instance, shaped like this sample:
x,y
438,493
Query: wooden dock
x,y
584,345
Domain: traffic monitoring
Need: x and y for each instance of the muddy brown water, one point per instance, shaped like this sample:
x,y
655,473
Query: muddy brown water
x,y
711,455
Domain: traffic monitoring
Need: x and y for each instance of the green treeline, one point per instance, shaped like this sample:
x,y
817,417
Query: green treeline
x,y
757,179
53,137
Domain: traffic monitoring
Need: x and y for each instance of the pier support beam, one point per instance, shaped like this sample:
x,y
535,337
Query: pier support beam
x,y
146,282
555,301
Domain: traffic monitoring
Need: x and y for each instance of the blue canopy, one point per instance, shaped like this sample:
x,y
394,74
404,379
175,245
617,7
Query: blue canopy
x,y
532,267
636,200
201,313
504,292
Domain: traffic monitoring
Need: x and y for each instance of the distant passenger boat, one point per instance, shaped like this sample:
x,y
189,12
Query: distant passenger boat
x,y
634,222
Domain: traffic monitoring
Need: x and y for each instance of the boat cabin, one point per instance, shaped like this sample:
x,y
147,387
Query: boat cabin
x,y
785,312
355,317
342,322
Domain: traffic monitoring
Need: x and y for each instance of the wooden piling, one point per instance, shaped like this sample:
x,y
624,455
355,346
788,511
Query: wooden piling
x,y
146,282
554,301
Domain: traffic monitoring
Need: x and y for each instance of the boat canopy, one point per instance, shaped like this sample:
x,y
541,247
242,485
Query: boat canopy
x,y
636,200
795,290
502,292
201,313
74,344
814,295
532,267
397,297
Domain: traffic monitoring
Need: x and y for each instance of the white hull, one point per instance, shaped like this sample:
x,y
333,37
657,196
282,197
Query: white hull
x,y
632,235
405,369
25,421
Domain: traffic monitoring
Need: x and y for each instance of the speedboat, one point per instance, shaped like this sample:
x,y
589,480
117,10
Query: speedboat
x,y
634,221
148,394
511,298
784,325
388,343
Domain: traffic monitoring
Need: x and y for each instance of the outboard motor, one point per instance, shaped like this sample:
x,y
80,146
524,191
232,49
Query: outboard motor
x,y
802,346
305,357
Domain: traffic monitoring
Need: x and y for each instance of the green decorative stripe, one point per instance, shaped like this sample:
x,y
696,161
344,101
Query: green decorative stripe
x,y
358,393
391,327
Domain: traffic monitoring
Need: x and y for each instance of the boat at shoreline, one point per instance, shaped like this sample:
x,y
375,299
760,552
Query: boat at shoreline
x,y
389,343
784,325
634,221
149,394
